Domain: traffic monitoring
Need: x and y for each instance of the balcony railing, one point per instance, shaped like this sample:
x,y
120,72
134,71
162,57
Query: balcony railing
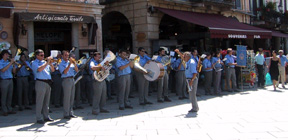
x,y
80,1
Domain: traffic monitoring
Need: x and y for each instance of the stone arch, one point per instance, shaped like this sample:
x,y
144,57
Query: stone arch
x,y
117,32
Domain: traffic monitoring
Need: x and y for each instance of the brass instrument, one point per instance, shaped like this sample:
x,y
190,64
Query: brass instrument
x,y
199,65
137,65
78,62
100,75
182,57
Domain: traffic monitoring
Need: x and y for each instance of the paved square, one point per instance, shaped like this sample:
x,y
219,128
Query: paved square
x,y
249,115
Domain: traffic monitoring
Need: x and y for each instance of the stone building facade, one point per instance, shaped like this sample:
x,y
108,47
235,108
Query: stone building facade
x,y
53,25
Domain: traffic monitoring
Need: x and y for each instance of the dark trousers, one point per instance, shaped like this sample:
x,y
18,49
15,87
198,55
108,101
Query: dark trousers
x,y
260,69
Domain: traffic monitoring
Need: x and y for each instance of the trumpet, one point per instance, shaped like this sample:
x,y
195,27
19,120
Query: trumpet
x,y
182,57
58,61
78,62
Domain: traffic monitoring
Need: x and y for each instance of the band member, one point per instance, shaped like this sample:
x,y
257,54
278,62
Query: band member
x,y
6,68
282,68
180,79
67,69
191,74
41,70
208,69
23,73
124,76
162,82
86,84
56,90
77,88
216,61
99,88
230,75
143,84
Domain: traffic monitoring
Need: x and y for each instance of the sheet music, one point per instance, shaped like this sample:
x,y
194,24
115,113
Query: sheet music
x,y
189,87
154,57
132,56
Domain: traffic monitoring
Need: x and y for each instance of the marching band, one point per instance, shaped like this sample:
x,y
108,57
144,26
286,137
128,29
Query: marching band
x,y
61,69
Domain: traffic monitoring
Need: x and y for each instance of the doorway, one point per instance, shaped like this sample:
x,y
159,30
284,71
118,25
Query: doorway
x,y
52,36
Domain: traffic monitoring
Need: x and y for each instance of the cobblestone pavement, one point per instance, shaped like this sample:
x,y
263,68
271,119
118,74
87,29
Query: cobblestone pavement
x,y
249,115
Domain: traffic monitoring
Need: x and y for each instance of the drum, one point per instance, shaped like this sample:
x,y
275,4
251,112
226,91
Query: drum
x,y
155,71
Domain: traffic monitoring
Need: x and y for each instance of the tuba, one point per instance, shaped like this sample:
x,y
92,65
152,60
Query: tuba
x,y
100,75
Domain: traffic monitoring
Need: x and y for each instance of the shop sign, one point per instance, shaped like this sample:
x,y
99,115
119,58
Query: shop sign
x,y
58,18
257,36
236,36
49,36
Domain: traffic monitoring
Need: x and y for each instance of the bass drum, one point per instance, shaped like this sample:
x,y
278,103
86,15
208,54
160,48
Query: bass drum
x,y
155,71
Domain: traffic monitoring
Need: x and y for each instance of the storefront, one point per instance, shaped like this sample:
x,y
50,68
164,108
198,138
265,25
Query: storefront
x,y
54,25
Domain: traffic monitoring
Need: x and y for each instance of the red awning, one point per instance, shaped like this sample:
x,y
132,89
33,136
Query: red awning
x,y
5,9
279,34
218,25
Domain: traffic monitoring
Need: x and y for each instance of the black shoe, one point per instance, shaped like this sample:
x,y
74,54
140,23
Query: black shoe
x,y
57,106
67,117
180,98
20,109
48,120
192,110
130,96
40,122
94,113
121,108
148,103
236,90
196,95
11,112
73,116
28,108
142,104
160,101
283,87
104,111
185,97
166,99
5,114
128,106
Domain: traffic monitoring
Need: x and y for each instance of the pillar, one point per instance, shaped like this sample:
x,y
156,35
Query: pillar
x,y
99,43
30,36
75,38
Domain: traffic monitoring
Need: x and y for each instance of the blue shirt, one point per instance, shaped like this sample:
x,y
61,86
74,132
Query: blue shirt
x,y
230,59
283,60
196,59
159,60
143,60
259,59
177,63
44,74
63,65
207,64
23,71
214,60
8,73
121,62
93,63
191,67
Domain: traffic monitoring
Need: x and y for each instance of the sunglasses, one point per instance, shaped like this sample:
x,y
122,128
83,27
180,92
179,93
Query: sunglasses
x,y
41,55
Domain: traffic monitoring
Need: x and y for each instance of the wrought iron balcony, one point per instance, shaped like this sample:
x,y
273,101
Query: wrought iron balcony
x,y
80,1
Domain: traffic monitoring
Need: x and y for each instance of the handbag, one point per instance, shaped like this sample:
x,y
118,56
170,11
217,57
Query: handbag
x,y
268,80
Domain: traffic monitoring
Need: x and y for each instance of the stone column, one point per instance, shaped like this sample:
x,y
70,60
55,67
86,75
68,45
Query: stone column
x,y
30,36
286,45
277,43
75,38
99,44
